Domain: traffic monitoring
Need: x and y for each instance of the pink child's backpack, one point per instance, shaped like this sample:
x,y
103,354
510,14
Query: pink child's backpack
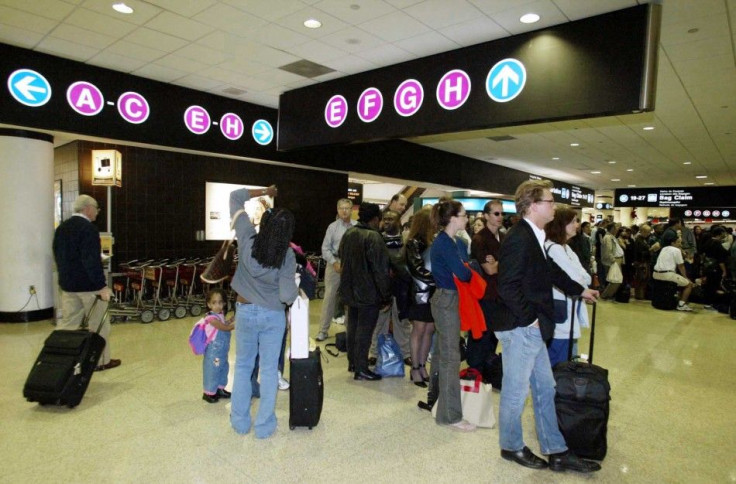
x,y
198,337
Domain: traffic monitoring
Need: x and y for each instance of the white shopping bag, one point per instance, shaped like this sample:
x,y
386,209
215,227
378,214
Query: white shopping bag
x,y
299,317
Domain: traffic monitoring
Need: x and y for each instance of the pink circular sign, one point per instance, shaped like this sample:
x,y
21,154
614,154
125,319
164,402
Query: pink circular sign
x,y
232,126
336,111
133,107
370,105
453,89
408,97
85,98
197,119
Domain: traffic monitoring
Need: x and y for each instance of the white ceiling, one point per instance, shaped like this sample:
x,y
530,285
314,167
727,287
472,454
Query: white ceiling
x,y
216,45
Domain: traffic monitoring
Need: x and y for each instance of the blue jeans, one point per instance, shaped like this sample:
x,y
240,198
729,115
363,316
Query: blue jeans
x,y
215,366
525,362
258,332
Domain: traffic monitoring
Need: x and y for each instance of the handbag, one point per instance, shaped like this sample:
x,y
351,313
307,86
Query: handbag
x,y
614,275
559,314
390,363
220,267
475,398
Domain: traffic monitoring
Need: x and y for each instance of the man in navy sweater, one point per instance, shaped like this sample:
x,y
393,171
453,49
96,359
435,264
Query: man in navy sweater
x,y
77,253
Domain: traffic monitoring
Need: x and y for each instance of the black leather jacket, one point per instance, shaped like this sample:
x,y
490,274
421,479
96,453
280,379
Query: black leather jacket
x,y
419,269
364,280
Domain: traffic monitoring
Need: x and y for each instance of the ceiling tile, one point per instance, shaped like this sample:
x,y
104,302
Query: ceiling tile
x,y
427,44
19,37
24,20
265,8
51,9
178,26
395,26
355,12
481,29
147,37
441,13
96,22
135,51
159,73
116,61
142,11
352,39
78,35
66,49
185,8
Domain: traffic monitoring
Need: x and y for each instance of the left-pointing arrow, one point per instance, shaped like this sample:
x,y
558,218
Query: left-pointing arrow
x,y
25,87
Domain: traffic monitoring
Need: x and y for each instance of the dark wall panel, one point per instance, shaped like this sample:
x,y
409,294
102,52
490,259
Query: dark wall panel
x,y
162,201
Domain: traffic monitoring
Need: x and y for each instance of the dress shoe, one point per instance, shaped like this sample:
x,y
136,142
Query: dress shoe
x,y
408,361
568,461
367,375
210,398
372,361
109,365
524,457
222,393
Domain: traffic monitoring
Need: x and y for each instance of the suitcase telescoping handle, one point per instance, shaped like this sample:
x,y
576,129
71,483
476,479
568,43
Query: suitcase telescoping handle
x,y
572,330
85,321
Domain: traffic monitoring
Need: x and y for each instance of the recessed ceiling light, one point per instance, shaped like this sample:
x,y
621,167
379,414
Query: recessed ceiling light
x,y
596,172
687,162
629,169
701,176
708,183
555,157
122,8
574,144
529,18
648,128
312,23
615,179
632,186
612,162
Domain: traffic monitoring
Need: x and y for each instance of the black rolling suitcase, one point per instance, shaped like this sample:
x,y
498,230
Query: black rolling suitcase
x,y
664,295
306,392
64,368
582,402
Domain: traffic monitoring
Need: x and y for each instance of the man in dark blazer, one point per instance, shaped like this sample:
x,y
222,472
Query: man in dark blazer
x,y
523,322
78,255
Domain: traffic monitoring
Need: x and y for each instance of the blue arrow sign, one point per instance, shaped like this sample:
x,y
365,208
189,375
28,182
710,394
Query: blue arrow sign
x,y
506,80
262,132
29,87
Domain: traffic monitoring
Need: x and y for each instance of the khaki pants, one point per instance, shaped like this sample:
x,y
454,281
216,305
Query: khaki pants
x,y
74,305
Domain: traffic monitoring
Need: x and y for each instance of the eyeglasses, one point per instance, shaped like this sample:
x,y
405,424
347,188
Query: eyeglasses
x,y
545,201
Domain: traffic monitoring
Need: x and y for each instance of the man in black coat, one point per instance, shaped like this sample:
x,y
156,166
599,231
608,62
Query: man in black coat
x,y
77,253
522,323
365,285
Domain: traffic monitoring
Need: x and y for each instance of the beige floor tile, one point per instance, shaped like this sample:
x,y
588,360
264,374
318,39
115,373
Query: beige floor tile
x,y
671,421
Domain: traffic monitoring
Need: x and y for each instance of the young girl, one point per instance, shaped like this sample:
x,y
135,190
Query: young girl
x,y
215,366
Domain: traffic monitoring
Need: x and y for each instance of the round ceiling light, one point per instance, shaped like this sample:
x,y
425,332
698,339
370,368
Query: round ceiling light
x,y
312,23
529,18
122,8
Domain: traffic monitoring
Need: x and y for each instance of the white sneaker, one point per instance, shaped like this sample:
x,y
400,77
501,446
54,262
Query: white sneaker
x,y
340,320
462,426
684,307
283,383
321,336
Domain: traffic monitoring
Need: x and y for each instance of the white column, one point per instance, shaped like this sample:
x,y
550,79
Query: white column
x,y
27,201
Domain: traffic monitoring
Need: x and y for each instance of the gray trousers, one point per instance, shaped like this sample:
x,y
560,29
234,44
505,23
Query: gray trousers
x,y
74,305
402,330
446,355
332,283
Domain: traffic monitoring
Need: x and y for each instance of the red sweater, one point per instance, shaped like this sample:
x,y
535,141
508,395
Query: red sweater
x,y
471,315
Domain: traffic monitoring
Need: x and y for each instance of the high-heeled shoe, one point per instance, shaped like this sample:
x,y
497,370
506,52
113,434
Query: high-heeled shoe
x,y
416,377
423,373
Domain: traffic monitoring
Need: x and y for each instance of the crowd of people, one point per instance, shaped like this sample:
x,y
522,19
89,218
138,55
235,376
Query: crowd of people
x,y
538,268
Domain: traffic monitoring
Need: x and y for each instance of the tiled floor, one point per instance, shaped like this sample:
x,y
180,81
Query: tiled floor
x,y
672,416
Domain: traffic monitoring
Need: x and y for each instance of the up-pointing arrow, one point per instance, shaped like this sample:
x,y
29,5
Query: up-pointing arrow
x,y
263,131
25,87
507,74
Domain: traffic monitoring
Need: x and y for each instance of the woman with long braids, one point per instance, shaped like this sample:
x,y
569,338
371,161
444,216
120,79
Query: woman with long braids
x,y
448,255
265,284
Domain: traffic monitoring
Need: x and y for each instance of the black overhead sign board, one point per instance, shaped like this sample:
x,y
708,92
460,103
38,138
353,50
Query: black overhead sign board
x,y
685,197
572,195
47,92
603,65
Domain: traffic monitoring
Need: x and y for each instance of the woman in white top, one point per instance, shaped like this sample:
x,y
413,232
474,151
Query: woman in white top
x,y
563,227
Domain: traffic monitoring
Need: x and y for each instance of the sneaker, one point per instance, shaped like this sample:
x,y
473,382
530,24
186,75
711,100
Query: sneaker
x,y
321,336
283,383
684,307
340,320
462,426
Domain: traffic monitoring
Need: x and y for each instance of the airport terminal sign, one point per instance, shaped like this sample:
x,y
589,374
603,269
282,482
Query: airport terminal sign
x,y
685,197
